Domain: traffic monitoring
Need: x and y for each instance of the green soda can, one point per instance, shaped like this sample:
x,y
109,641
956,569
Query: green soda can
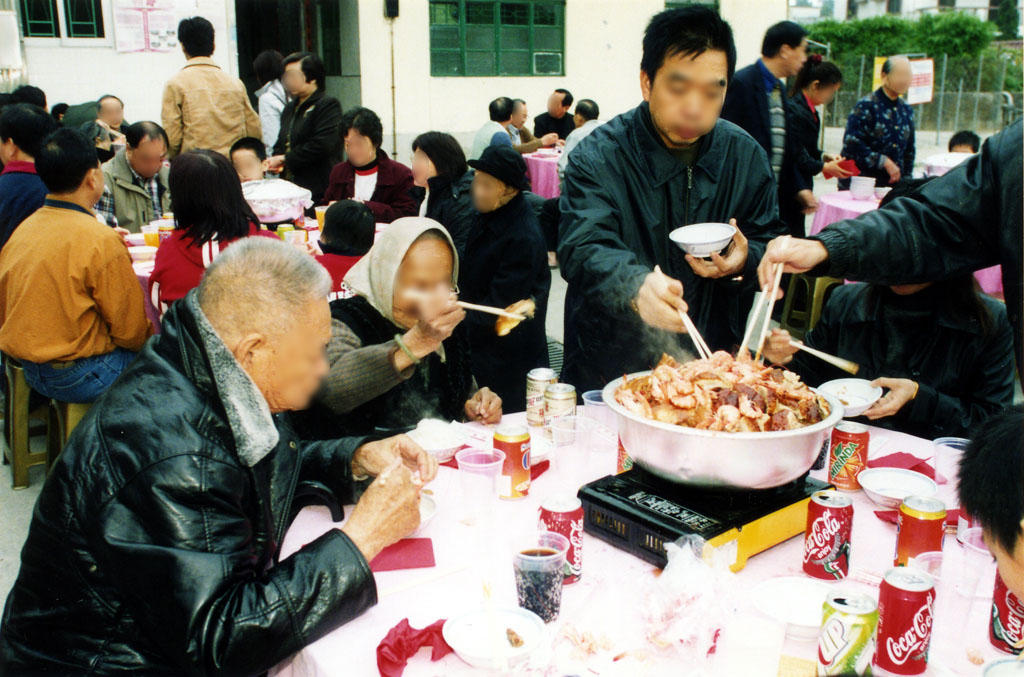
x,y
846,643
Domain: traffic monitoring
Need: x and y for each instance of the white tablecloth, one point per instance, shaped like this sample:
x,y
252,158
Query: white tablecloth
x,y
607,596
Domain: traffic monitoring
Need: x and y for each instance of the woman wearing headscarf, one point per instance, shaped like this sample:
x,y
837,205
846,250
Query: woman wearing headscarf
x,y
398,350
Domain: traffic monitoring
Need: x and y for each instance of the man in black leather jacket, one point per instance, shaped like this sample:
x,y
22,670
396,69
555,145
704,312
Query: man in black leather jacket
x,y
965,220
153,547
668,163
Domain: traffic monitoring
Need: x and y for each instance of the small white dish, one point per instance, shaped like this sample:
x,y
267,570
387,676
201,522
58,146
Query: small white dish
x,y
862,187
855,394
702,239
887,487
428,509
142,253
467,635
135,239
881,192
795,601
440,439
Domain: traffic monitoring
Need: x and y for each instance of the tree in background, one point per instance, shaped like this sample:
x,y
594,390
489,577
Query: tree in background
x,y
1007,19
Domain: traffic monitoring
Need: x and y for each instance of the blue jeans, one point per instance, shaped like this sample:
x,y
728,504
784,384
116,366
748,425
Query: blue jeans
x,y
83,381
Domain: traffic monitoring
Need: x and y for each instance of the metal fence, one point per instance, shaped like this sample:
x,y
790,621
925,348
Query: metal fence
x,y
969,93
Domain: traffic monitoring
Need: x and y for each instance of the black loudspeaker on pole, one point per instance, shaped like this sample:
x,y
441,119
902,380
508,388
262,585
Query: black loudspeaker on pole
x,y
391,9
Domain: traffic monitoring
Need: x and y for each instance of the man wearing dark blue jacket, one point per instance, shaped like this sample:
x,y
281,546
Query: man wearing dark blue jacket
x,y
22,128
665,164
757,102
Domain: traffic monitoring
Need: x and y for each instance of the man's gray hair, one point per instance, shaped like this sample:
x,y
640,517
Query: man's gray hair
x,y
260,285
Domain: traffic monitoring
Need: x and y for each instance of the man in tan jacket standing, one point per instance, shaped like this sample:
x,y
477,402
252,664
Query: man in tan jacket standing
x,y
204,107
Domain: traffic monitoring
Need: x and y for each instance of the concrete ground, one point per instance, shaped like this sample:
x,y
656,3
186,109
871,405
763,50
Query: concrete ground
x,y
16,506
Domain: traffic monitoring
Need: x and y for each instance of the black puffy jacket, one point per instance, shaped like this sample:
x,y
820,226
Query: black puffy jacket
x,y
451,204
153,547
623,193
965,220
309,141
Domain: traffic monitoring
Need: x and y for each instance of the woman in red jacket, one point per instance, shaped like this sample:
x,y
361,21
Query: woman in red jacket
x,y
368,175
207,202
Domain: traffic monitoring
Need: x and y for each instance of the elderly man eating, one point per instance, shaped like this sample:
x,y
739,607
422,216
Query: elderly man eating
x,y
154,545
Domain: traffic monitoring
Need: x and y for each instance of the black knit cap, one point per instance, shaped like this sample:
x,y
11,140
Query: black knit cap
x,y
504,163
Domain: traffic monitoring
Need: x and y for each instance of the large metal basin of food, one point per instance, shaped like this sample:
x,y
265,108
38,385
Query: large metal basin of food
x,y
711,459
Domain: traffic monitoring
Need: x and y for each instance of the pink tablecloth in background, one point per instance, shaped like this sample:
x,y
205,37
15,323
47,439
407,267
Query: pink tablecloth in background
x,y
608,595
143,270
542,168
838,206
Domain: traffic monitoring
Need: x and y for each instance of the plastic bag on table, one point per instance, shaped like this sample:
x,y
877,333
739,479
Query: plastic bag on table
x,y
685,607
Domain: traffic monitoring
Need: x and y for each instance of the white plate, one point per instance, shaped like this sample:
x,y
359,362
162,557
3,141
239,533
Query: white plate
x,y
428,508
855,394
888,487
467,635
794,600
702,239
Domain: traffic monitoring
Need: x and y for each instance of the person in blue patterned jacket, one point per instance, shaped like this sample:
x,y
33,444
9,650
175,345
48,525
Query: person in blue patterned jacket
x,y
880,130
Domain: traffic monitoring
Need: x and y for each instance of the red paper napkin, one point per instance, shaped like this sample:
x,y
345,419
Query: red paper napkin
x,y
848,165
890,516
403,641
408,553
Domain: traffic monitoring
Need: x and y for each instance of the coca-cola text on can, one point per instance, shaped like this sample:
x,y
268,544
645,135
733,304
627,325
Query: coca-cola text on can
x,y
920,527
563,514
848,454
906,600
827,537
537,380
1006,629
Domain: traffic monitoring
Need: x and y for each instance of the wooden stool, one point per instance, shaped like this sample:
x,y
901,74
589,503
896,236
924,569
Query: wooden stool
x,y
16,424
64,417
804,300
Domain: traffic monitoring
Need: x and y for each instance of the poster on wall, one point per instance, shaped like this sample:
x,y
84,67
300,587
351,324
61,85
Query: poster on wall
x,y
146,25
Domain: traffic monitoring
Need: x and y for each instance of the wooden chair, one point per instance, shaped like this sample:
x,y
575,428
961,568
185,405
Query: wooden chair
x,y
63,418
17,417
805,298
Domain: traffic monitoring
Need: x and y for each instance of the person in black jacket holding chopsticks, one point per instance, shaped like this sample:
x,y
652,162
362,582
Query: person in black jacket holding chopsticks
x,y
307,145
816,84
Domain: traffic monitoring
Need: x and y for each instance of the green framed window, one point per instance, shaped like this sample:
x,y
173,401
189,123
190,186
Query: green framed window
x,y
39,19
83,19
490,37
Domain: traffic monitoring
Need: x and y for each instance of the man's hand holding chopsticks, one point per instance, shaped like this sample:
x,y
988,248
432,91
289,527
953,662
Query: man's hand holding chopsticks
x,y
659,301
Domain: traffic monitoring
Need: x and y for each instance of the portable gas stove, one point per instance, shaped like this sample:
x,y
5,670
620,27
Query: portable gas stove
x,y
640,512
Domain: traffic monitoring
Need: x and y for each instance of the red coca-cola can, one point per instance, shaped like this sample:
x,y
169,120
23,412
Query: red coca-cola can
x,y
563,514
906,600
1006,631
827,539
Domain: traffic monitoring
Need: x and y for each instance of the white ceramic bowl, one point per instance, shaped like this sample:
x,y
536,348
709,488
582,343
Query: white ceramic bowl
x,y
143,253
467,635
888,487
702,239
439,438
882,191
855,394
794,600
862,187
135,239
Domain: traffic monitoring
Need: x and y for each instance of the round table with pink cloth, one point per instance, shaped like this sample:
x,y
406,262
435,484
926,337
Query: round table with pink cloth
x,y
542,170
838,206
606,601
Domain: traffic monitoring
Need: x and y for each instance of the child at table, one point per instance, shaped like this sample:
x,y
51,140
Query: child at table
x,y
991,489
249,158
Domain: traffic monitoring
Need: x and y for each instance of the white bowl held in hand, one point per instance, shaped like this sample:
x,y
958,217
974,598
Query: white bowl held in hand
x,y
143,253
703,239
440,439
855,394
887,487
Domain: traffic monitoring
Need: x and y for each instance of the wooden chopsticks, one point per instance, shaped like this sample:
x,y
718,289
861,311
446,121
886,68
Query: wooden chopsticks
x,y
501,312
698,341
846,365
776,282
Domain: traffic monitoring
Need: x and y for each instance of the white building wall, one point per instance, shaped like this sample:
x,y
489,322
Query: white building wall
x,y
79,70
602,62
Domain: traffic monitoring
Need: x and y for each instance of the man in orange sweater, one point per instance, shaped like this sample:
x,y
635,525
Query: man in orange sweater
x,y
70,305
